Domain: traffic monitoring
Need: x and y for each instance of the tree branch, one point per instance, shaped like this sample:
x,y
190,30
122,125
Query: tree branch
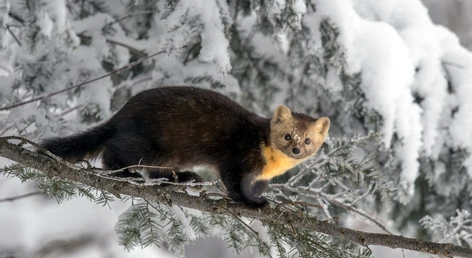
x,y
51,167
128,66
14,198
13,35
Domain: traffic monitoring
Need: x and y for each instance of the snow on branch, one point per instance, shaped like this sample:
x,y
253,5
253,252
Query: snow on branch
x,y
128,66
174,195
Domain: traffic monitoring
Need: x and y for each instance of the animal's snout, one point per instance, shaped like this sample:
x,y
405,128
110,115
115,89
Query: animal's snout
x,y
296,150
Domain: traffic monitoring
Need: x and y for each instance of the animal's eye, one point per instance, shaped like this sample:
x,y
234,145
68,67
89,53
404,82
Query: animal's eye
x,y
288,137
307,141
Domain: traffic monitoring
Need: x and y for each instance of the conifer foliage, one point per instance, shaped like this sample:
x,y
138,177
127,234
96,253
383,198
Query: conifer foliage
x,y
395,86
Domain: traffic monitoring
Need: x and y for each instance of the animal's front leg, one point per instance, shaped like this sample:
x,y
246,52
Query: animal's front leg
x,y
259,187
252,189
241,185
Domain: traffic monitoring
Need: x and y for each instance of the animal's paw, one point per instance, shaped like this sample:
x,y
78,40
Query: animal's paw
x,y
253,202
257,203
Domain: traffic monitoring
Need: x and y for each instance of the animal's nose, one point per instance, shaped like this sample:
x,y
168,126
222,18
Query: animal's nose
x,y
296,150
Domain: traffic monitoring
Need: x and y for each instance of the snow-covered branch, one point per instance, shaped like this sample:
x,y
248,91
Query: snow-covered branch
x,y
128,66
295,222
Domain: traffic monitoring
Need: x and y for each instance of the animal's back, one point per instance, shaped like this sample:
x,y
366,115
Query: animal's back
x,y
193,126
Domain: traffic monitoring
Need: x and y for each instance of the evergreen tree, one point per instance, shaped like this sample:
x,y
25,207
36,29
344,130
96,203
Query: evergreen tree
x,y
394,85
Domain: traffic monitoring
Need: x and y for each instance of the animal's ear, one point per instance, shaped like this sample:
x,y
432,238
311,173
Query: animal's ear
x,y
322,126
281,114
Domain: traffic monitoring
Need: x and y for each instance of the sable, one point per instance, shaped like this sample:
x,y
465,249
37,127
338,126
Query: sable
x,y
182,127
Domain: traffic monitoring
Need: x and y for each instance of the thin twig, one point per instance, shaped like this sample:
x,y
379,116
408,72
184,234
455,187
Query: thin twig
x,y
134,83
109,172
240,220
69,111
361,214
22,130
16,17
132,49
15,25
13,35
14,198
128,66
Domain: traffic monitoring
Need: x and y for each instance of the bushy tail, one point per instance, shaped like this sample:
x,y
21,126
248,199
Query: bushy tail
x,y
80,146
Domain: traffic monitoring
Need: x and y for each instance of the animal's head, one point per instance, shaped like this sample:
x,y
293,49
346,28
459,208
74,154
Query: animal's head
x,y
297,135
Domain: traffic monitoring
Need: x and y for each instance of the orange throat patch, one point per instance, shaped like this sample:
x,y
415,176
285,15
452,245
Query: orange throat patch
x,y
277,163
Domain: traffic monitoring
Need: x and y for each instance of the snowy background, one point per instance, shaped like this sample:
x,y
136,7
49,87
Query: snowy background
x,y
415,75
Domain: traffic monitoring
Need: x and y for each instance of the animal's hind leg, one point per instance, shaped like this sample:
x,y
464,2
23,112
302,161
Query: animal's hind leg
x,y
113,158
132,149
128,148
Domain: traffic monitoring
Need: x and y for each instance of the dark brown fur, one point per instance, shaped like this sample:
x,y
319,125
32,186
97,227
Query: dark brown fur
x,y
181,127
